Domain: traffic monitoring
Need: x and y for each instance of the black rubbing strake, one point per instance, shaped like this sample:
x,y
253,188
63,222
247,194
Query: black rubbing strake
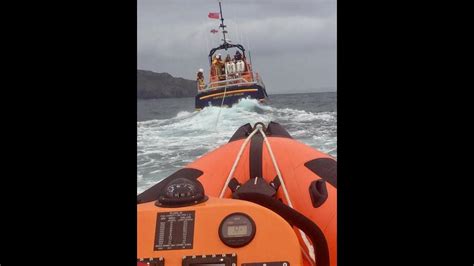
x,y
241,133
255,156
272,130
276,130
326,168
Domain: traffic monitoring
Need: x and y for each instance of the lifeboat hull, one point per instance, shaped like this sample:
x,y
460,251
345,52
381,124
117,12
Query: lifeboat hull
x,y
231,95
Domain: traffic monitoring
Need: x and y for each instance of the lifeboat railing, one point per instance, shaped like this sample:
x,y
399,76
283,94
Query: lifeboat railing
x,y
215,85
226,83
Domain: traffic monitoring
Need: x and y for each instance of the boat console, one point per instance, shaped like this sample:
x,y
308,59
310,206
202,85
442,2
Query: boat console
x,y
185,227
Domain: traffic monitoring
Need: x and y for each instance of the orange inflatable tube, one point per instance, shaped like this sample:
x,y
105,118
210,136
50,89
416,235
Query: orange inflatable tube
x,y
307,182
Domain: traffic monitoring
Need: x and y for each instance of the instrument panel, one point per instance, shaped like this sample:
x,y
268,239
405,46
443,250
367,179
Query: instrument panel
x,y
218,232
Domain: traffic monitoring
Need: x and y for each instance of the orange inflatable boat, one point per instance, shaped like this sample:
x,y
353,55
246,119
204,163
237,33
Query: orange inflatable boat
x,y
261,199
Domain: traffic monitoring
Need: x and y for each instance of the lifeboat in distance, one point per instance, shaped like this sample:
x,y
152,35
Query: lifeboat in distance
x,y
263,198
229,80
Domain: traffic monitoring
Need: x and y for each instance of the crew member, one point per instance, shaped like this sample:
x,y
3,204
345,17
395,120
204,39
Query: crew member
x,y
200,79
237,56
219,65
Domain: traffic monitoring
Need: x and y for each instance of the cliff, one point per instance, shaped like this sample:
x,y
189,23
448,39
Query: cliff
x,y
151,85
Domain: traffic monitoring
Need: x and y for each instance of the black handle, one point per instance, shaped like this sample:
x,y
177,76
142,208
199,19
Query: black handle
x,y
297,219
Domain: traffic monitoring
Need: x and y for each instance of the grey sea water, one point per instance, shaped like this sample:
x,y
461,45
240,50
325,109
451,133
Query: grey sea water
x,y
170,134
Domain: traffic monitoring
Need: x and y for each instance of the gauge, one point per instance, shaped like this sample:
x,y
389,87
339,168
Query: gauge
x,y
237,230
181,192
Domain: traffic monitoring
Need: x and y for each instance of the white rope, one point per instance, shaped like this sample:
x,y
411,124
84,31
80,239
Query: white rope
x,y
303,236
270,151
276,168
237,159
307,256
222,103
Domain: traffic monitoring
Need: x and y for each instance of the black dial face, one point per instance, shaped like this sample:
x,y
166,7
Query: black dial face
x,y
237,230
180,190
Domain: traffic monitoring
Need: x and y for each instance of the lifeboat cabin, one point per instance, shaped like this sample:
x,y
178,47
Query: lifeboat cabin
x,y
231,78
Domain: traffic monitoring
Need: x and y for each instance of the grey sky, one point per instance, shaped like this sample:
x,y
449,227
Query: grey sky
x,y
292,42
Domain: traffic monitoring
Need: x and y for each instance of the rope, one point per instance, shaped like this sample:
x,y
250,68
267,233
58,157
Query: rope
x,y
303,236
258,127
237,159
222,103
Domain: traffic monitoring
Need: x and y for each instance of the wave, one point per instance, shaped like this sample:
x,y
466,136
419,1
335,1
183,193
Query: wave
x,y
166,145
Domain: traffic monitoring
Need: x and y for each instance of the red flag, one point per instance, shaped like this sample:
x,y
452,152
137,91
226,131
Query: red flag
x,y
214,31
213,15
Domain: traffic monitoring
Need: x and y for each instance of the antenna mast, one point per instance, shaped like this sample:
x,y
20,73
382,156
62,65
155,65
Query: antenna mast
x,y
222,22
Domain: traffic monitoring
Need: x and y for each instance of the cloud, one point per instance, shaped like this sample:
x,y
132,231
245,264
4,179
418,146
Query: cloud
x,y
290,34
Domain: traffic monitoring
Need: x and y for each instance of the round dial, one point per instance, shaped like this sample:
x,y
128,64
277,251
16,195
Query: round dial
x,y
181,192
237,230
178,190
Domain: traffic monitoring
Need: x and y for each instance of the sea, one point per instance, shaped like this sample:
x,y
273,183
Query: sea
x,y
171,134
